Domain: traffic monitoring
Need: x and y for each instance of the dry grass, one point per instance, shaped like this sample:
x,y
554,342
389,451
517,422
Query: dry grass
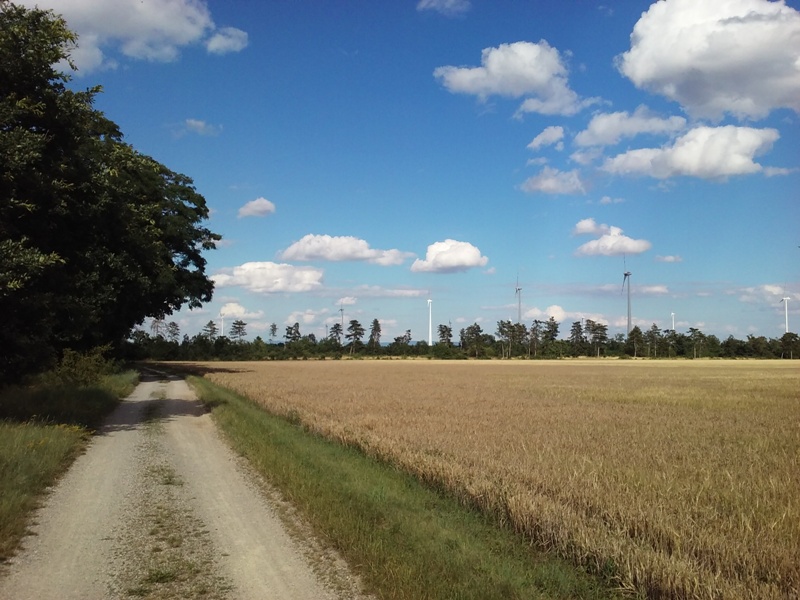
x,y
679,478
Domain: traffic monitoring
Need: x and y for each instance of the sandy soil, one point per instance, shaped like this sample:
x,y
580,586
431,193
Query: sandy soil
x,y
159,507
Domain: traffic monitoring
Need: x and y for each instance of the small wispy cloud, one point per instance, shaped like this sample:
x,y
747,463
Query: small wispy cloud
x,y
198,127
448,8
669,259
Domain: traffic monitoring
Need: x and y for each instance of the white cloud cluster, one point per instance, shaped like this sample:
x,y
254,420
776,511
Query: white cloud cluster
x,y
234,309
737,57
260,207
450,256
152,30
449,8
341,248
610,243
550,136
607,129
766,294
560,314
669,259
553,181
270,277
305,317
705,152
521,69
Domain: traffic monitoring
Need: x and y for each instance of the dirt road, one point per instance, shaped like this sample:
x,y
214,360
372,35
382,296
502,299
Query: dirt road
x,y
159,507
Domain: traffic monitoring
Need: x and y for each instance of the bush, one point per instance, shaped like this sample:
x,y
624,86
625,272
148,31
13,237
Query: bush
x,y
79,369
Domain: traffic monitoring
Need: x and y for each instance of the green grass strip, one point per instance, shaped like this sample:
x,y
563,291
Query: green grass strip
x,y
31,457
42,430
405,540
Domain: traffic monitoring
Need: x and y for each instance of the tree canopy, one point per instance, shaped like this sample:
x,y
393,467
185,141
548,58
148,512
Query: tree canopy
x,y
94,236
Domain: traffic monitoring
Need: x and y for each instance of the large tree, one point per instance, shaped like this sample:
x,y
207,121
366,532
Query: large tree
x,y
94,236
355,331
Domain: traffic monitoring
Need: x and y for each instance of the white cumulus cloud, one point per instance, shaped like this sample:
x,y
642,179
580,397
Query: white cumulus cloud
x,y
551,135
270,277
260,207
607,129
704,152
737,57
153,30
611,242
553,181
234,309
589,227
227,40
521,69
341,248
450,256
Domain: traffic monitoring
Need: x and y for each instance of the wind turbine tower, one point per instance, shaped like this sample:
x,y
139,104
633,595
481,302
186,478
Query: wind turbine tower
x,y
786,313
430,321
626,276
518,294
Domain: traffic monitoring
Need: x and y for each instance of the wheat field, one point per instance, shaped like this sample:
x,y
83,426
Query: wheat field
x,y
680,479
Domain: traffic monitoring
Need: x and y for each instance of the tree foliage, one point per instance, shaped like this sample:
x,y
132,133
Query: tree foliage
x,y
94,236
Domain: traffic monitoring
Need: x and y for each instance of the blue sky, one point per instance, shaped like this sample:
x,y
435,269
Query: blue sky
x,y
364,155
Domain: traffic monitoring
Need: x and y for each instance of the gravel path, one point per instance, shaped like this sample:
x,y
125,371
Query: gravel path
x,y
159,507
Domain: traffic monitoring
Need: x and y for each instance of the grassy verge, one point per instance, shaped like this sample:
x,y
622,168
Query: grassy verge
x,y
42,430
405,540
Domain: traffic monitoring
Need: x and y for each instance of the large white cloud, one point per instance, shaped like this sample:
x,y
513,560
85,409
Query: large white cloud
x,y
522,69
153,30
610,243
341,248
450,256
606,129
738,56
268,277
705,152
553,181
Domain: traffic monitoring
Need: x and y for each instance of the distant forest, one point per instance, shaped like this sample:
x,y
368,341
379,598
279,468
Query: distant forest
x,y
540,340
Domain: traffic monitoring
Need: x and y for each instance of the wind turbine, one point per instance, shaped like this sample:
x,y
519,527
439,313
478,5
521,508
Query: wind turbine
x,y
430,321
341,310
673,321
518,294
626,276
786,312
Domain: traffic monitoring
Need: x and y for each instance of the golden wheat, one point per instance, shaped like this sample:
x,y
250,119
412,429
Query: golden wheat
x,y
682,478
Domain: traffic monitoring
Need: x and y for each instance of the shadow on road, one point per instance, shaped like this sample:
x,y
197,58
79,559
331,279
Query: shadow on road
x,y
149,402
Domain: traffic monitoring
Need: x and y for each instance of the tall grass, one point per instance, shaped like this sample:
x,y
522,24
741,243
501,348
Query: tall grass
x,y
43,427
678,478
407,541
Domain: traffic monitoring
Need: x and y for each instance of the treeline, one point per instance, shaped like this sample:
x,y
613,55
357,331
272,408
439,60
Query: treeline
x,y
540,340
